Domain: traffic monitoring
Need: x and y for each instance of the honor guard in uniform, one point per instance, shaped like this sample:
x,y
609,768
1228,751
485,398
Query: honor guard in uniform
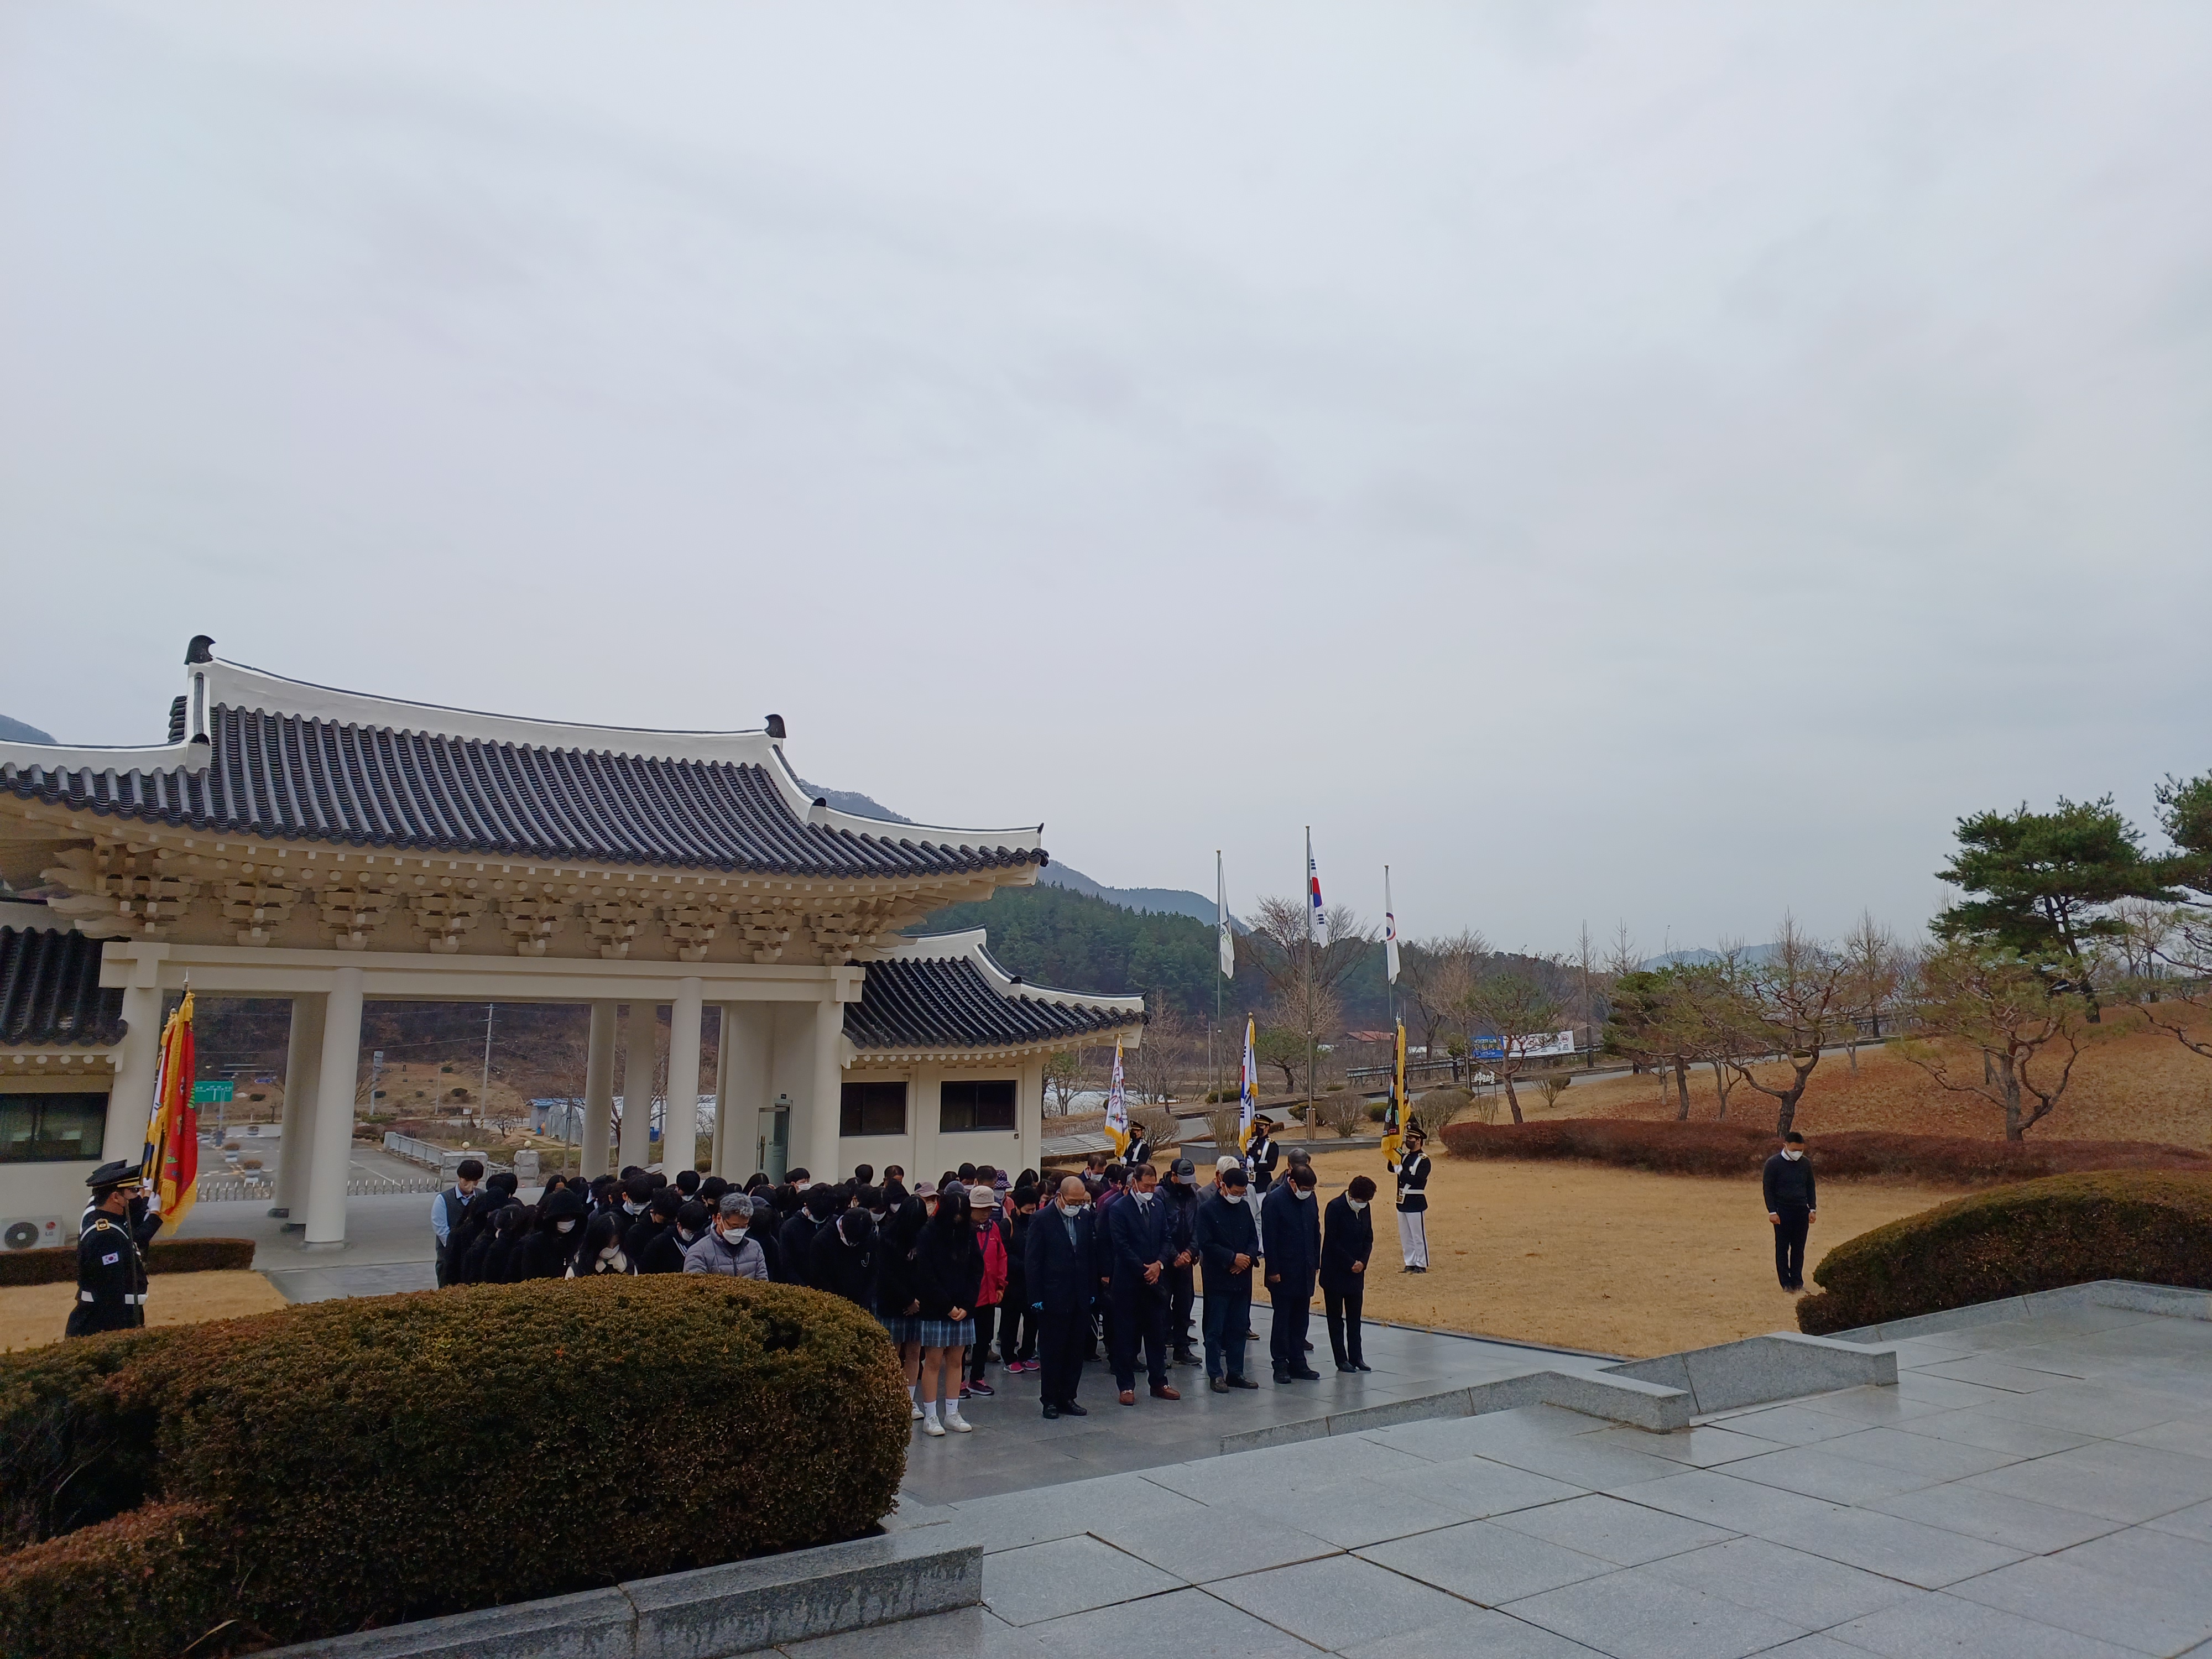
x,y
1413,1202
1262,1155
1139,1149
111,1261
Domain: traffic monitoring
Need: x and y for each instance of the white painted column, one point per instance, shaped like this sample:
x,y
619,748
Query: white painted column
x,y
824,1093
924,1097
331,1157
303,1067
718,1159
130,1101
747,1061
598,1091
679,1139
640,1031
1028,1111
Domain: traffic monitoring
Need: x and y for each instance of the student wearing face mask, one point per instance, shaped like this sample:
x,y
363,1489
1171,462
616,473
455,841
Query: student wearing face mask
x,y
545,1254
948,1280
1347,1246
725,1247
1792,1206
843,1261
898,1309
665,1254
1017,1329
1179,1192
602,1251
1290,1238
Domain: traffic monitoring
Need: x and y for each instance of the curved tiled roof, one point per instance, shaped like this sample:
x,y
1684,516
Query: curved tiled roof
x,y
50,993
357,782
949,1002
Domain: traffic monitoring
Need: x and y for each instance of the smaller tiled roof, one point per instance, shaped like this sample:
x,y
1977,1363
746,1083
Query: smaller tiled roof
x,y
50,994
946,992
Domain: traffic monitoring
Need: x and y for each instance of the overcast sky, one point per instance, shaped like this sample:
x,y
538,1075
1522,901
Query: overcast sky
x,y
1611,462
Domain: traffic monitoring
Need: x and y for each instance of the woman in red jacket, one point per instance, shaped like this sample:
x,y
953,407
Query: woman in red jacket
x,y
990,1241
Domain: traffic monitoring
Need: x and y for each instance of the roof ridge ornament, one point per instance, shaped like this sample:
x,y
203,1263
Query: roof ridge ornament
x,y
202,650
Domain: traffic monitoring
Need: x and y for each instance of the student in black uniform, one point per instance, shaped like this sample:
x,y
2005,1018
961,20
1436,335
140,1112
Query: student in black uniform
x,y
1413,1202
665,1254
1347,1246
1180,1193
111,1266
1792,1204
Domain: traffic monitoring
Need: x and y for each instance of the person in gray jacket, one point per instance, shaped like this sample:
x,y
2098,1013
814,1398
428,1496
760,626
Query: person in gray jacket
x,y
726,1247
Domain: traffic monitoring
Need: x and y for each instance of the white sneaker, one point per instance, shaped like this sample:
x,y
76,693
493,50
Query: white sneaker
x,y
958,1424
916,1409
931,1427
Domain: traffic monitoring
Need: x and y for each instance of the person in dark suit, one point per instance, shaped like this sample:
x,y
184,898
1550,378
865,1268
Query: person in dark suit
x,y
1290,1237
1227,1241
1179,1192
1347,1245
1792,1202
1139,1226
1062,1272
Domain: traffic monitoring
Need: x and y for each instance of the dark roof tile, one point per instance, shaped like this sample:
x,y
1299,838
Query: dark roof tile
x,y
50,992
948,1003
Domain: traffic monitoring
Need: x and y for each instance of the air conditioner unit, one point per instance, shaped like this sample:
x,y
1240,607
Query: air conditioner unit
x,y
32,1233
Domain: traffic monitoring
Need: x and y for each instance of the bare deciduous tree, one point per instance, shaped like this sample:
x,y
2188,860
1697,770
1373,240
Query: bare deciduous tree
x,y
1878,967
1793,1005
1303,978
1521,1012
1437,973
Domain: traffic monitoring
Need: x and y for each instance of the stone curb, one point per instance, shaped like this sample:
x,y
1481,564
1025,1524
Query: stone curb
x,y
1659,1395
709,1613
2167,1300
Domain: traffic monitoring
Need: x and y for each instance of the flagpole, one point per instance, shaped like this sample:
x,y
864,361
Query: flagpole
x,y
1391,917
1221,910
1313,920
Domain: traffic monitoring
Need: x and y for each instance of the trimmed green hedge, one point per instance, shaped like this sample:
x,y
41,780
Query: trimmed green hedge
x,y
2154,1226
359,1462
57,1264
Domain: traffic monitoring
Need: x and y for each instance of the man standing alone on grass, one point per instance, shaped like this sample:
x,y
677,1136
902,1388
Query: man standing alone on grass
x,y
1792,1207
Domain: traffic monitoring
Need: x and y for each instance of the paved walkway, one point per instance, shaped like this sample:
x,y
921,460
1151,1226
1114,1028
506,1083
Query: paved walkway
x,y
2039,1488
388,1246
1013,1448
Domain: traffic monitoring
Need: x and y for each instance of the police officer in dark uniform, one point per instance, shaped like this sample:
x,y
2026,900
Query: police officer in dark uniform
x,y
1139,1149
1262,1155
1180,1191
111,1260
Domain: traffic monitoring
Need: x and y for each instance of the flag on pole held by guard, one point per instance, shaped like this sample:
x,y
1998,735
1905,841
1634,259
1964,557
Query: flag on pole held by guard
x,y
1228,944
172,1158
1314,929
1393,1117
1248,1092
1117,1107
1390,930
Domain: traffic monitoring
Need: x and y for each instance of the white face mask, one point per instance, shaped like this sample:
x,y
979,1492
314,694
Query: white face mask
x,y
685,1234
1303,1191
1357,1204
629,1208
1791,1153
564,1226
1068,1209
611,1253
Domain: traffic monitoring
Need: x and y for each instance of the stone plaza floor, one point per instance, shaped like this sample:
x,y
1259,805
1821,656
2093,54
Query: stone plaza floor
x,y
1015,1448
2041,1486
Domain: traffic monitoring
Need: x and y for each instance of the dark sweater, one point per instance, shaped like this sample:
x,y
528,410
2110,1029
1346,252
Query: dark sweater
x,y
1785,1182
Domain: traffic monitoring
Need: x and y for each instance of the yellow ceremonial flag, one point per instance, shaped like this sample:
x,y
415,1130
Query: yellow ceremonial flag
x,y
1117,1108
1394,1123
172,1160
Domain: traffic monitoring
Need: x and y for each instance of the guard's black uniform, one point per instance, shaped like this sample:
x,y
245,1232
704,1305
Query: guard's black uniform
x,y
111,1280
1413,1209
1260,1158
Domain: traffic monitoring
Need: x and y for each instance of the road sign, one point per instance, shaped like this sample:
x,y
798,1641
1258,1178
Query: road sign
x,y
219,1092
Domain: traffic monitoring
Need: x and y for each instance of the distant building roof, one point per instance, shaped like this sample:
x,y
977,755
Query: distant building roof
x,y
946,992
273,758
50,994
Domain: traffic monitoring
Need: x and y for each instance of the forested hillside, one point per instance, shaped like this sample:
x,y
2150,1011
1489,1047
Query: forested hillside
x,y
1057,937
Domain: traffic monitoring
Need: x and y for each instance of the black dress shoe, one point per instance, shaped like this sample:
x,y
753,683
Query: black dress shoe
x,y
1308,1374
1241,1383
1051,1411
1251,1336
1187,1357
1309,1347
1216,1385
1361,1365
1282,1377
1342,1366
1069,1408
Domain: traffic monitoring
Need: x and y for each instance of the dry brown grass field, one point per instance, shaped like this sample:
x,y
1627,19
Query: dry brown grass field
x,y
33,1315
2130,1083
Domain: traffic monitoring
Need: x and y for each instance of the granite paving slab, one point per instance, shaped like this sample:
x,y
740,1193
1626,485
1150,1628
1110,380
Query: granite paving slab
x,y
1070,1575
1893,1546
1926,1625
1182,1622
1198,1547
1340,1602
1626,1534
1476,1631
1635,1614
963,1633
2051,1591
1805,1589
1482,1562
2015,1522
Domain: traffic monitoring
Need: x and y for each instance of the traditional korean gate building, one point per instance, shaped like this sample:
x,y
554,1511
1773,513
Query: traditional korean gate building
x,y
290,841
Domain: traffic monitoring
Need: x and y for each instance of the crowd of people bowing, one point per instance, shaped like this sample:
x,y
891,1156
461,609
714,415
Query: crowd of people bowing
x,y
1043,1274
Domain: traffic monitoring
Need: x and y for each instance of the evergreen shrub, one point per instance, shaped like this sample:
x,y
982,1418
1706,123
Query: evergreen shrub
x,y
359,1462
2151,1226
56,1264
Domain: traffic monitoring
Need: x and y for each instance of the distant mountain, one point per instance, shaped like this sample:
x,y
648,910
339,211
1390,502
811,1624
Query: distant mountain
x,y
17,732
1145,901
1753,953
